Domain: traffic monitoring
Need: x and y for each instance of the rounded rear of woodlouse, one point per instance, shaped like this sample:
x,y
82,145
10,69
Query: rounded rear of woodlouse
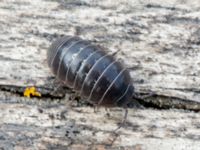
x,y
90,71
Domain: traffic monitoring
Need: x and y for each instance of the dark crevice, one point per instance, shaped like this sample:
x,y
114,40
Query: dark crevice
x,y
154,101
182,20
46,35
162,102
156,6
45,91
4,58
159,6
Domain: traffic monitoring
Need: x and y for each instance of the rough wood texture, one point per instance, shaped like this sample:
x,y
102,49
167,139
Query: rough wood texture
x,y
33,124
158,40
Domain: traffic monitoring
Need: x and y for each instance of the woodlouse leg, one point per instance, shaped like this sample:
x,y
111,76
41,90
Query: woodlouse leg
x,y
69,104
114,53
71,99
56,81
96,108
57,88
107,109
74,99
116,135
123,120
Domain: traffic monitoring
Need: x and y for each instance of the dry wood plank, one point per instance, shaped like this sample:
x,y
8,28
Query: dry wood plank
x,y
158,40
33,124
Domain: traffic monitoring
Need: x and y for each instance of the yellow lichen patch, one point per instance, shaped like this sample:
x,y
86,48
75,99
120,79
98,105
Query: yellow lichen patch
x,y
31,91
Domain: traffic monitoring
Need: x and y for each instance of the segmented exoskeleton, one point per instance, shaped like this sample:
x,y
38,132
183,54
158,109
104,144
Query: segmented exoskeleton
x,y
90,71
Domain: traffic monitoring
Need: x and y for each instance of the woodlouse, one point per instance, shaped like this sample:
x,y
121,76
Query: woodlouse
x,y
90,71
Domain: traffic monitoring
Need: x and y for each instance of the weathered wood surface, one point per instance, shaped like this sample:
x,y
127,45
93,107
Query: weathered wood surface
x,y
32,124
158,40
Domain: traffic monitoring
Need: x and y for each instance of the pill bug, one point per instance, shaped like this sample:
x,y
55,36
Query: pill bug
x,y
90,71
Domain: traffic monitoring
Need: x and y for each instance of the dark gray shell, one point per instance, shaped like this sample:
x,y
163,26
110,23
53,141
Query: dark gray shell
x,y
90,71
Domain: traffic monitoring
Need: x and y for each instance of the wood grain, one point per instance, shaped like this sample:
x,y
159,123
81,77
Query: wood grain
x,y
35,124
158,41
